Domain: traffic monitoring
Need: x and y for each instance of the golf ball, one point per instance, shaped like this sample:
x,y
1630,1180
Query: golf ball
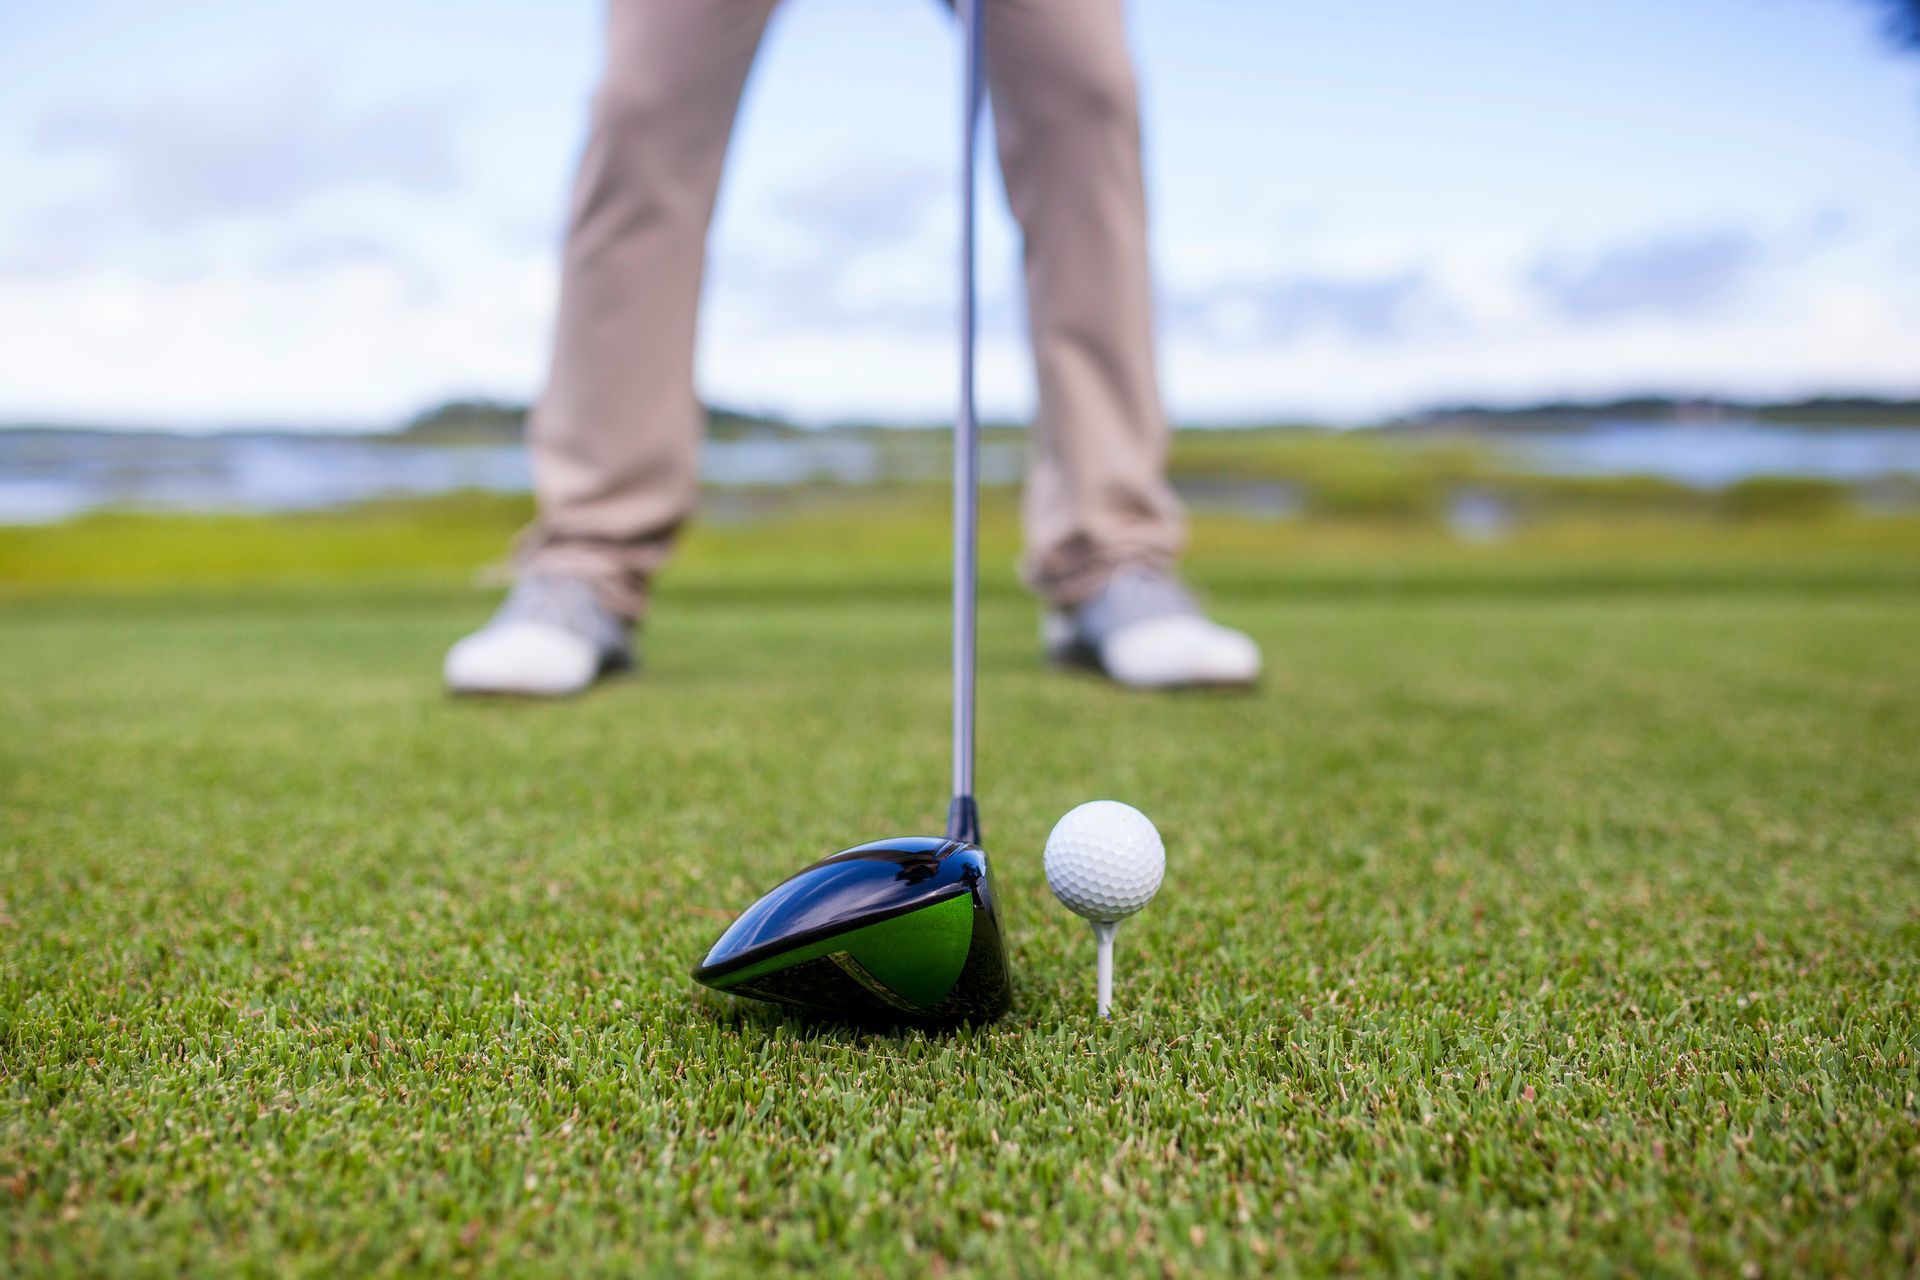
x,y
1105,861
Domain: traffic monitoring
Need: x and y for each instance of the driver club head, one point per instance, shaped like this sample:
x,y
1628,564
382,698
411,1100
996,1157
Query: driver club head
x,y
899,930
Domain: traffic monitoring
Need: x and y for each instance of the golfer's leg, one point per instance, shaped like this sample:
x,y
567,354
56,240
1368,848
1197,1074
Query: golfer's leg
x,y
1069,136
616,435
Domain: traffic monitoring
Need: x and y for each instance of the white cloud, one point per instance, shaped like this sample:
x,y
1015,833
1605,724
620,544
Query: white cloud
x,y
357,342
260,150
342,331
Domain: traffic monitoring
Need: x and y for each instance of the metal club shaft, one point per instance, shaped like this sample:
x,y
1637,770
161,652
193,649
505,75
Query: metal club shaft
x,y
963,818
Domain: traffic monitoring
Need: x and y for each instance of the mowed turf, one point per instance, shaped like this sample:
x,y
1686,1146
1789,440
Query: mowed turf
x,y
1519,923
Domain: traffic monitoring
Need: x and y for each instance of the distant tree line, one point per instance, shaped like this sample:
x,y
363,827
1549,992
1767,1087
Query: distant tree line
x,y
1811,411
499,421
480,421
1661,406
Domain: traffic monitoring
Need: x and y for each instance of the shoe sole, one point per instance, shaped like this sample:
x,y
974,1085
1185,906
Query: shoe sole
x,y
1080,659
612,668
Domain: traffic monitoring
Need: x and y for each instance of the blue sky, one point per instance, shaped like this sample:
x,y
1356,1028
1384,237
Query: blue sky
x,y
260,211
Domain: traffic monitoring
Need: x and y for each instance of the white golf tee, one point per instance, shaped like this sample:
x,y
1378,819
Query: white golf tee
x,y
1103,931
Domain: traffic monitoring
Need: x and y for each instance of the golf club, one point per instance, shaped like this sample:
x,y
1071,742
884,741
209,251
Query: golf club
x,y
899,929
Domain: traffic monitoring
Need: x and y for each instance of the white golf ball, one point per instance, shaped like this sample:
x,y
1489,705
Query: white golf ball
x,y
1105,861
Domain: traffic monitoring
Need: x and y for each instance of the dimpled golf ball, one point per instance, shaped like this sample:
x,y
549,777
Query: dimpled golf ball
x,y
1105,861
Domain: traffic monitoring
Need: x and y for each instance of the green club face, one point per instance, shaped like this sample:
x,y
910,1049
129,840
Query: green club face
x,y
897,930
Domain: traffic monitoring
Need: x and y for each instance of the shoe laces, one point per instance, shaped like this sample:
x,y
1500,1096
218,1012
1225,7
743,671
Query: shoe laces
x,y
1133,594
570,604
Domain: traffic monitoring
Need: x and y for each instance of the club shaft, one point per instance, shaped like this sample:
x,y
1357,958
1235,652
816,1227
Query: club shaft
x,y
966,433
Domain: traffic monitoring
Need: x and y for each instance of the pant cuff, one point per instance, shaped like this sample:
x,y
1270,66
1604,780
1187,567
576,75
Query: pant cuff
x,y
1070,585
622,591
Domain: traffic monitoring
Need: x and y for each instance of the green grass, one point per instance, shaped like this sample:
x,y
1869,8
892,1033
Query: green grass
x,y
1553,908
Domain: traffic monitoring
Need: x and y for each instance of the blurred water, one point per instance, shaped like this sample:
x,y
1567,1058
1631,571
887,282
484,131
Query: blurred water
x,y
53,475
1712,456
46,476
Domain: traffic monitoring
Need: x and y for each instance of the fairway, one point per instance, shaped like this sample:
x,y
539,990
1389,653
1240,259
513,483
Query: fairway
x,y
1532,917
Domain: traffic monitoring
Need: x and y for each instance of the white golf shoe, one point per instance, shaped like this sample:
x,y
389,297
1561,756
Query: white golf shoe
x,y
550,638
1144,630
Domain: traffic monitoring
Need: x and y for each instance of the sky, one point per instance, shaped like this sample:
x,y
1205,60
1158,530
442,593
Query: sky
x,y
266,212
